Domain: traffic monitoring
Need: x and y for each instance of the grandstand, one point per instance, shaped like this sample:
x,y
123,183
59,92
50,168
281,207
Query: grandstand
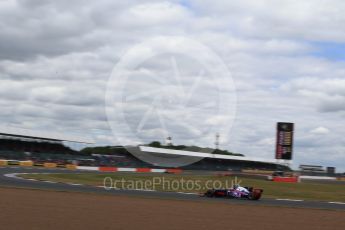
x,y
316,170
205,161
21,144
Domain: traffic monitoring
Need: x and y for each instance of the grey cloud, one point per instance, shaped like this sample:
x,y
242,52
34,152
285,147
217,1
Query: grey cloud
x,y
327,94
32,28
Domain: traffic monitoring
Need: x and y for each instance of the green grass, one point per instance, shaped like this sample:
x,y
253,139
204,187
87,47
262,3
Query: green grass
x,y
170,182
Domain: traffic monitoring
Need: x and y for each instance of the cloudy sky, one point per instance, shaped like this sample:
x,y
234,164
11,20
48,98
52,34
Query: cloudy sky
x,y
270,61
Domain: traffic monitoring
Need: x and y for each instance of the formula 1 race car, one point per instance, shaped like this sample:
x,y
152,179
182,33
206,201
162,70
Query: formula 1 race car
x,y
236,192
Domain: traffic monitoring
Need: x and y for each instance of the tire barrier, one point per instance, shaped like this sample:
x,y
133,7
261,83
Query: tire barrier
x,y
12,162
60,165
50,165
26,163
70,166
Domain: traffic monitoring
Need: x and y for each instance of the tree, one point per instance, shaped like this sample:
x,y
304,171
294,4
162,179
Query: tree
x,y
156,144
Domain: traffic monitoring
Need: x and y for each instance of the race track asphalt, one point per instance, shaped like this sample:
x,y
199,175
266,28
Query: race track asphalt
x,y
7,181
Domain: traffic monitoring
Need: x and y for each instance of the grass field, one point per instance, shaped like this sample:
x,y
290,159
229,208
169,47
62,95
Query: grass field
x,y
197,184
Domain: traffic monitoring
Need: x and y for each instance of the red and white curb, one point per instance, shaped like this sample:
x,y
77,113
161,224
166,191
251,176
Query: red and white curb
x,y
117,169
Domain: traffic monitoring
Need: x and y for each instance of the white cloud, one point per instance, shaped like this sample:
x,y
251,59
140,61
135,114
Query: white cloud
x,y
320,131
154,14
327,94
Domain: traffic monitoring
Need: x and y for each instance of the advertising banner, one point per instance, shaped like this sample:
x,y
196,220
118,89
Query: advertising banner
x,y
284,143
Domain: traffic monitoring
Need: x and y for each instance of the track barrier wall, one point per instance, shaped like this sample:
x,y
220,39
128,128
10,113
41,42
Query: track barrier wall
x,y
107,169
12,162
285,179
70,166
26,163
50,165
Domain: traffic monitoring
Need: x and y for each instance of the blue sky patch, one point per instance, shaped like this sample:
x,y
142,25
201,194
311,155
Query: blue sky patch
x,y
329,50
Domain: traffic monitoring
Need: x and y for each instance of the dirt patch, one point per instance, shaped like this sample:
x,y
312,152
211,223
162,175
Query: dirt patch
x,y
36,209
